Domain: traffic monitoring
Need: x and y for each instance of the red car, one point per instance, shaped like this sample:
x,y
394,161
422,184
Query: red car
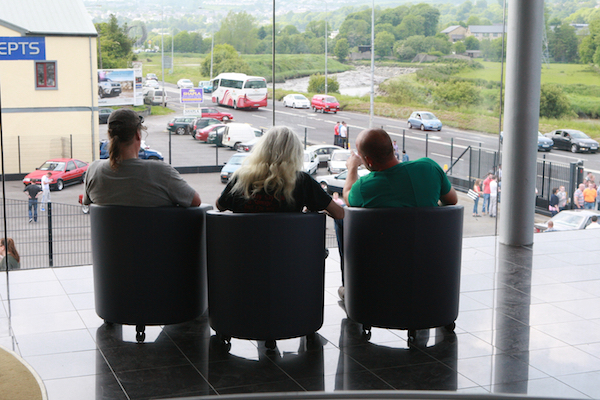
x,y
202,134
65,171
211,112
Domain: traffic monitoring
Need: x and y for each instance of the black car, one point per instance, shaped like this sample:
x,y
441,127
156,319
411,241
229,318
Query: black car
x,y
103,115
201,123
574,140
181,125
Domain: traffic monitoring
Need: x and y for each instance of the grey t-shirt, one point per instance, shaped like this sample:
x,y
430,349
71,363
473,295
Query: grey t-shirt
x,y
141,183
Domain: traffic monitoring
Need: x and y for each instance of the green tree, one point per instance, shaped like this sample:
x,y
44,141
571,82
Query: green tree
x,y
384,44
431,16
225,59
562,44
459,47
356,31
239,30
411,25
404,52
341,49
472,43
492,49
554,103
316,84
115,49
590,43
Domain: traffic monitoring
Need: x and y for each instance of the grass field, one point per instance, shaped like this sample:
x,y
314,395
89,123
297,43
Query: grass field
x,y
564,74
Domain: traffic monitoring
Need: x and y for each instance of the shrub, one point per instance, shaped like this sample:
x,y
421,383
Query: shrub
x,y
316,84
457,93
554,103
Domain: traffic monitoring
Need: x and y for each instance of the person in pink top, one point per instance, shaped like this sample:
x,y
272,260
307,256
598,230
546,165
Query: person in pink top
x,y
486,194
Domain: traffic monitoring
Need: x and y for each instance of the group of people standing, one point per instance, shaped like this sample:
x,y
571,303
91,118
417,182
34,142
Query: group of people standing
x,y
587,195
340,134
489,189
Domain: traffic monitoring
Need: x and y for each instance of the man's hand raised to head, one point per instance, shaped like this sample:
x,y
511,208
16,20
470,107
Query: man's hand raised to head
x,y
353,162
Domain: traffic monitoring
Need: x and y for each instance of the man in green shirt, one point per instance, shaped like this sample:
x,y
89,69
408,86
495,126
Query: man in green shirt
x,y
419,183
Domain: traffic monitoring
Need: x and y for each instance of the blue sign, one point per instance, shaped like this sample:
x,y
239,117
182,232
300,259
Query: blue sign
x,y
22,48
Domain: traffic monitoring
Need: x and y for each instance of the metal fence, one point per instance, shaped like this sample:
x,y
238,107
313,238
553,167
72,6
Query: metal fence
x,y
60,237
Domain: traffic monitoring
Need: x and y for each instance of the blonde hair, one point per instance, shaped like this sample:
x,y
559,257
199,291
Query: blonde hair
x,y
272,166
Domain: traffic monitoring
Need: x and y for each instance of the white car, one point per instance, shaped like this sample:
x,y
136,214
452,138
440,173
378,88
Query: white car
x,y
311,162
323,151
337,163
296,101
185,83
151,84
237,133
568,220
335,183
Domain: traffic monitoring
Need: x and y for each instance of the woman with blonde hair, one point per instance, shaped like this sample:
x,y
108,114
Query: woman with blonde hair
x,y
271,180
9,255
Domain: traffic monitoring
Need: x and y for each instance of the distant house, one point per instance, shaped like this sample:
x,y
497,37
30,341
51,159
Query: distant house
x,y
455,33
485,32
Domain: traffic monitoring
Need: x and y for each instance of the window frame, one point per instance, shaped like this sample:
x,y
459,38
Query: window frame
x,y
45,63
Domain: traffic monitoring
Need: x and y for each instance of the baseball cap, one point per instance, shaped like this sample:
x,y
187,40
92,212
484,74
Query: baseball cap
x,y
126,117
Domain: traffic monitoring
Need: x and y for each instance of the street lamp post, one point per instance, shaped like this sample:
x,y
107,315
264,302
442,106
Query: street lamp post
x,y
371,109
162,57
325,46
212,47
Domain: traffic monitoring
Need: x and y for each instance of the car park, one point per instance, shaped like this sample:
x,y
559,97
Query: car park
x,y
216,136
185,84
311,162
237,133
323,151
212,112
544,143
324,103
202,133
425,121
568,220
234,163
65,171
155,97
103,115
573,140
247,147
296,101
206,86
181,125
145,153
337,162
336,182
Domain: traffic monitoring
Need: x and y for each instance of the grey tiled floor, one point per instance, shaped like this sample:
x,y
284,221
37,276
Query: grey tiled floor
x,y
529,323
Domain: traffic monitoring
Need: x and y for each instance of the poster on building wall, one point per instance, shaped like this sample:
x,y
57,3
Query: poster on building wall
x,y
119,87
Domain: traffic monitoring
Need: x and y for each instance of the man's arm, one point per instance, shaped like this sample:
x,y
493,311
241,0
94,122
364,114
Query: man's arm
x,y
353,162
196,200
450,198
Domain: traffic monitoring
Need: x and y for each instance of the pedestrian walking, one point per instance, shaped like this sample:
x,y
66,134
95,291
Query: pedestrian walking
x,y
478,192
344,135
396,151
33,191
46,180
336,134
405,156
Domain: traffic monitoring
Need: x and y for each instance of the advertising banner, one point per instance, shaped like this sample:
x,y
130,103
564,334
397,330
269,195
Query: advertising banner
x,y
192,96
119,87
22,48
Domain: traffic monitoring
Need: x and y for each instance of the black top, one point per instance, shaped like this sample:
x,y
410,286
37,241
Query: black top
x,y
307,193
32,190
553,200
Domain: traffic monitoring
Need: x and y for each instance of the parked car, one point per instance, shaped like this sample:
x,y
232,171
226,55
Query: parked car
x,y
185,84
154,97
337,163
323,151
65,171
544,143
108,88
216,136
212,112
325,103
568,220
103,115
574,140
234,163
202,133
151,77
145,153
206,86
335,183
246,147
181,125
237,133
152,84
311,162
296,101
424,120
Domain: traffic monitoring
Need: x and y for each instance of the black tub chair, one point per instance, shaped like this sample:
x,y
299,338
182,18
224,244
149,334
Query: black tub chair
x,y
149,264
265,275
402,267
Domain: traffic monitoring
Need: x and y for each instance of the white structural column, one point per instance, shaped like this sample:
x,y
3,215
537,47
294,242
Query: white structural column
x,y
521,120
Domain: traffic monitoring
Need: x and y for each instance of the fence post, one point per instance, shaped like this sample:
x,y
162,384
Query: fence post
x,y
403,138
50,252
543,175
426,144
549,177
19,151
573,181
71,144
452,153
169,144
305,129
470,166
479,163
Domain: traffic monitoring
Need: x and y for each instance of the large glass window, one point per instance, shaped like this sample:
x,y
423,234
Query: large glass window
x,y
45,72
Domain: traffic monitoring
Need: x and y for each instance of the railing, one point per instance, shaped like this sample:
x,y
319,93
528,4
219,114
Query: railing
x,y
61,236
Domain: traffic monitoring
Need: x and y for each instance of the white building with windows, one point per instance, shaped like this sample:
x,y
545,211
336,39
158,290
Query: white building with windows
x,y
48,83
484,32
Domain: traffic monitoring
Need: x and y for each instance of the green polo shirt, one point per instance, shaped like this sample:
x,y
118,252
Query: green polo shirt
x,y
418,183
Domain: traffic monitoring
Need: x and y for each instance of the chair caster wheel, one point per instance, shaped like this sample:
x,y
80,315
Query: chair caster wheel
x,y
450,327
140,334
270,344
366,332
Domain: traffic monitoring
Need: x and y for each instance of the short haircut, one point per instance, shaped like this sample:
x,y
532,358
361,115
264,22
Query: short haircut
x,y
594,218
377,145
